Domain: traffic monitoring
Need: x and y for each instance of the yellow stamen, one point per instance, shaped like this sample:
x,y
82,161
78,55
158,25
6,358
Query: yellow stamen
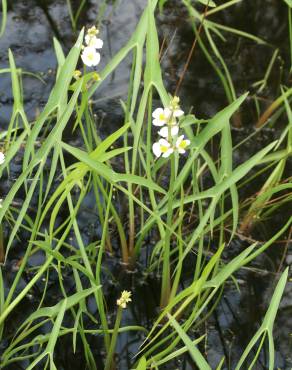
x,y
96,76
93,31
183,144
164,148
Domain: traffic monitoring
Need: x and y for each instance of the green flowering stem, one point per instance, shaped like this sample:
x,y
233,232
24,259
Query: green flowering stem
x,y
166,284
110,360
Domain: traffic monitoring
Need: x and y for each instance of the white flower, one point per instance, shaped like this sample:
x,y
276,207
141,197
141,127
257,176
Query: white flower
x,y
93,41
1,201
164,131
90,56
181,144
161,116
162,147
2,158
178,113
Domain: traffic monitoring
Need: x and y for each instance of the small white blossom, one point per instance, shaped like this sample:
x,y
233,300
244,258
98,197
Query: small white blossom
x,y
124,299
1,201
164,131
90,56
162,147
181,144
161,116
2,158
93,41
178,113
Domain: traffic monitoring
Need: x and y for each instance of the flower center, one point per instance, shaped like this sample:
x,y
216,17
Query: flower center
x,y
183,144
164,148
162,117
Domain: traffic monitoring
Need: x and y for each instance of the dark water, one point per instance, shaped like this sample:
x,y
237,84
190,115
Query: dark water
x,y
30,28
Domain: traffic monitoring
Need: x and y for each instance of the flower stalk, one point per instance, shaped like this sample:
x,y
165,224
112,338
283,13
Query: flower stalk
x,y
168,121
166,281
122,304
110,356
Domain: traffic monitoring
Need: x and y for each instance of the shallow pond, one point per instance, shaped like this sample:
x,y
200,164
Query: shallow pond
x,y
30,28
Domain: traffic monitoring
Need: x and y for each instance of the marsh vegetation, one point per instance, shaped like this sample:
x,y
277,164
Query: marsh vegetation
x,y
146,184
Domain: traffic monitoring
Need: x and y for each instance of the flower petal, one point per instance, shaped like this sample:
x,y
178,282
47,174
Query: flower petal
x,y
158,122
178,113
93,41
85,60
174,130
157,112
156,149
179,140
167,112
168,153
164,131
96,59
98,43
164,142
87,39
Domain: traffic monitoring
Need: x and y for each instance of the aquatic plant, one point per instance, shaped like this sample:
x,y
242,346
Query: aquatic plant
x,y
182,203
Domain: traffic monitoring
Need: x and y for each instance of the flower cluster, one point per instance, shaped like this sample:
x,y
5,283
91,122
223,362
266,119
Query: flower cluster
x,y
124,299
90,56
167,119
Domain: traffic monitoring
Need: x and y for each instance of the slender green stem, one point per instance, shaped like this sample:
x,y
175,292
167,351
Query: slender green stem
x,y
177,276
70,11
79,10
4,17
166,283
110,360
131,250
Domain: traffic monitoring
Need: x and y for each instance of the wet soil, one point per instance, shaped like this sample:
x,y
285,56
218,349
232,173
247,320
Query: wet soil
x,y
30,28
